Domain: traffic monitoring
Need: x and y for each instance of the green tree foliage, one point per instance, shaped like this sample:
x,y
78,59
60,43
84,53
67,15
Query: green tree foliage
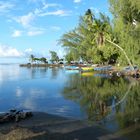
x,y
35,59
87,40
31,58
54,56
97,95
43,59
99,41
127,27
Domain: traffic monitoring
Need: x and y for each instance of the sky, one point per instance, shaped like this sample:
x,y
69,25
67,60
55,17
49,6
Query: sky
x,y
35,26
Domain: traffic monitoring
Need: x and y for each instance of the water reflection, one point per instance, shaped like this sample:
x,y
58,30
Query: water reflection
x,y
19,92
10,72
97,97
38,72
38,89
54,72
105,99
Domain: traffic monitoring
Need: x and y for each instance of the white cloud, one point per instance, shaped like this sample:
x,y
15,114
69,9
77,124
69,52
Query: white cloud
x,y
5,6
17,33
44,3
28,50
56,13
37,11
7,51
96,10
77,1
47,5
26,20
34,33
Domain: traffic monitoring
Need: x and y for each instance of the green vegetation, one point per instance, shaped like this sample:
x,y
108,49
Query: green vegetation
x,y
35,59
97,96
100,41
54,57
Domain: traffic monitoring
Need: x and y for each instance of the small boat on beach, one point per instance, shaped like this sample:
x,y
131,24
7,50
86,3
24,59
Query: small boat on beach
x,y
86,69
130,68
72,68
71,71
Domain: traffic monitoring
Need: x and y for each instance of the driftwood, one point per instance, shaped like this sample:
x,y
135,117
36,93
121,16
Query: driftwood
x,y
14,115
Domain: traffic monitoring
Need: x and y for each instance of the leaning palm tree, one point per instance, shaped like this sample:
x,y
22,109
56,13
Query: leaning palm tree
x,y
102,30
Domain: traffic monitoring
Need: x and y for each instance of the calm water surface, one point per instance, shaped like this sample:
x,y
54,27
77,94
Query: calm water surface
x,y
115,102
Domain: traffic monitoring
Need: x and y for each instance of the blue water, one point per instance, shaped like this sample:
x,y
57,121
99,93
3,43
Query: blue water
x,y
69,94
37,89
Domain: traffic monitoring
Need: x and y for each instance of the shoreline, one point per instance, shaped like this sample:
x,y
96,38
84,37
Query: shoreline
x,y
41,65
43,126
115,71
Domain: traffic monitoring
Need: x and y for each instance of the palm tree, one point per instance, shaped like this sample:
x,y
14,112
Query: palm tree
x,y
32,58
102,30
43,59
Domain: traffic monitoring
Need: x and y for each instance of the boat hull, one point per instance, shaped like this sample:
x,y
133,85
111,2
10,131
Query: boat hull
x,y
86,69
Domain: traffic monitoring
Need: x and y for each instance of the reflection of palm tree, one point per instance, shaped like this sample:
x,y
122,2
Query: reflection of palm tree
x,y
94,94
123,98
131,107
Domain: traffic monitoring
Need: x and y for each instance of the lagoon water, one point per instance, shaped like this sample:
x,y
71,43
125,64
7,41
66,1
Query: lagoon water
x,y
36,89
115,102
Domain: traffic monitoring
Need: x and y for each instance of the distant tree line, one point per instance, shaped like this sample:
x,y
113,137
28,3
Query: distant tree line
x,y
35,59
54,58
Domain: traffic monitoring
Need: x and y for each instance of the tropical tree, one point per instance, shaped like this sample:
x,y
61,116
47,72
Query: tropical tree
x,y
32,58
98,40
86,39
54,56
103,31
43,59
79,40
127,27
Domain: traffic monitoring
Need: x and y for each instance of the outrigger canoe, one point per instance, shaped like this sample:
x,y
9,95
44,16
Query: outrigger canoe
x,y
72,68
86,69
71,71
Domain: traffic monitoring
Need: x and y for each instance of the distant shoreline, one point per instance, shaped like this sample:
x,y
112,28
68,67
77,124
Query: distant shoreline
x,y
113,72
41,65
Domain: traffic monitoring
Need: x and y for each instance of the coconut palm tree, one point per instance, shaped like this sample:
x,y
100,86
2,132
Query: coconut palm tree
x,y
32,58
103,34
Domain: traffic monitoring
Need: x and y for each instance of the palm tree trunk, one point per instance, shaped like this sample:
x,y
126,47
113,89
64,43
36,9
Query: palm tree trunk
x,y
129,62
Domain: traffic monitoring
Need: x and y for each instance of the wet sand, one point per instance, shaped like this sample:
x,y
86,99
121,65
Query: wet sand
x,y
43,126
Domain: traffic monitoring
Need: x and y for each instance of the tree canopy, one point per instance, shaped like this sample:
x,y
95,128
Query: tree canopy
x,y
93,39
54,56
